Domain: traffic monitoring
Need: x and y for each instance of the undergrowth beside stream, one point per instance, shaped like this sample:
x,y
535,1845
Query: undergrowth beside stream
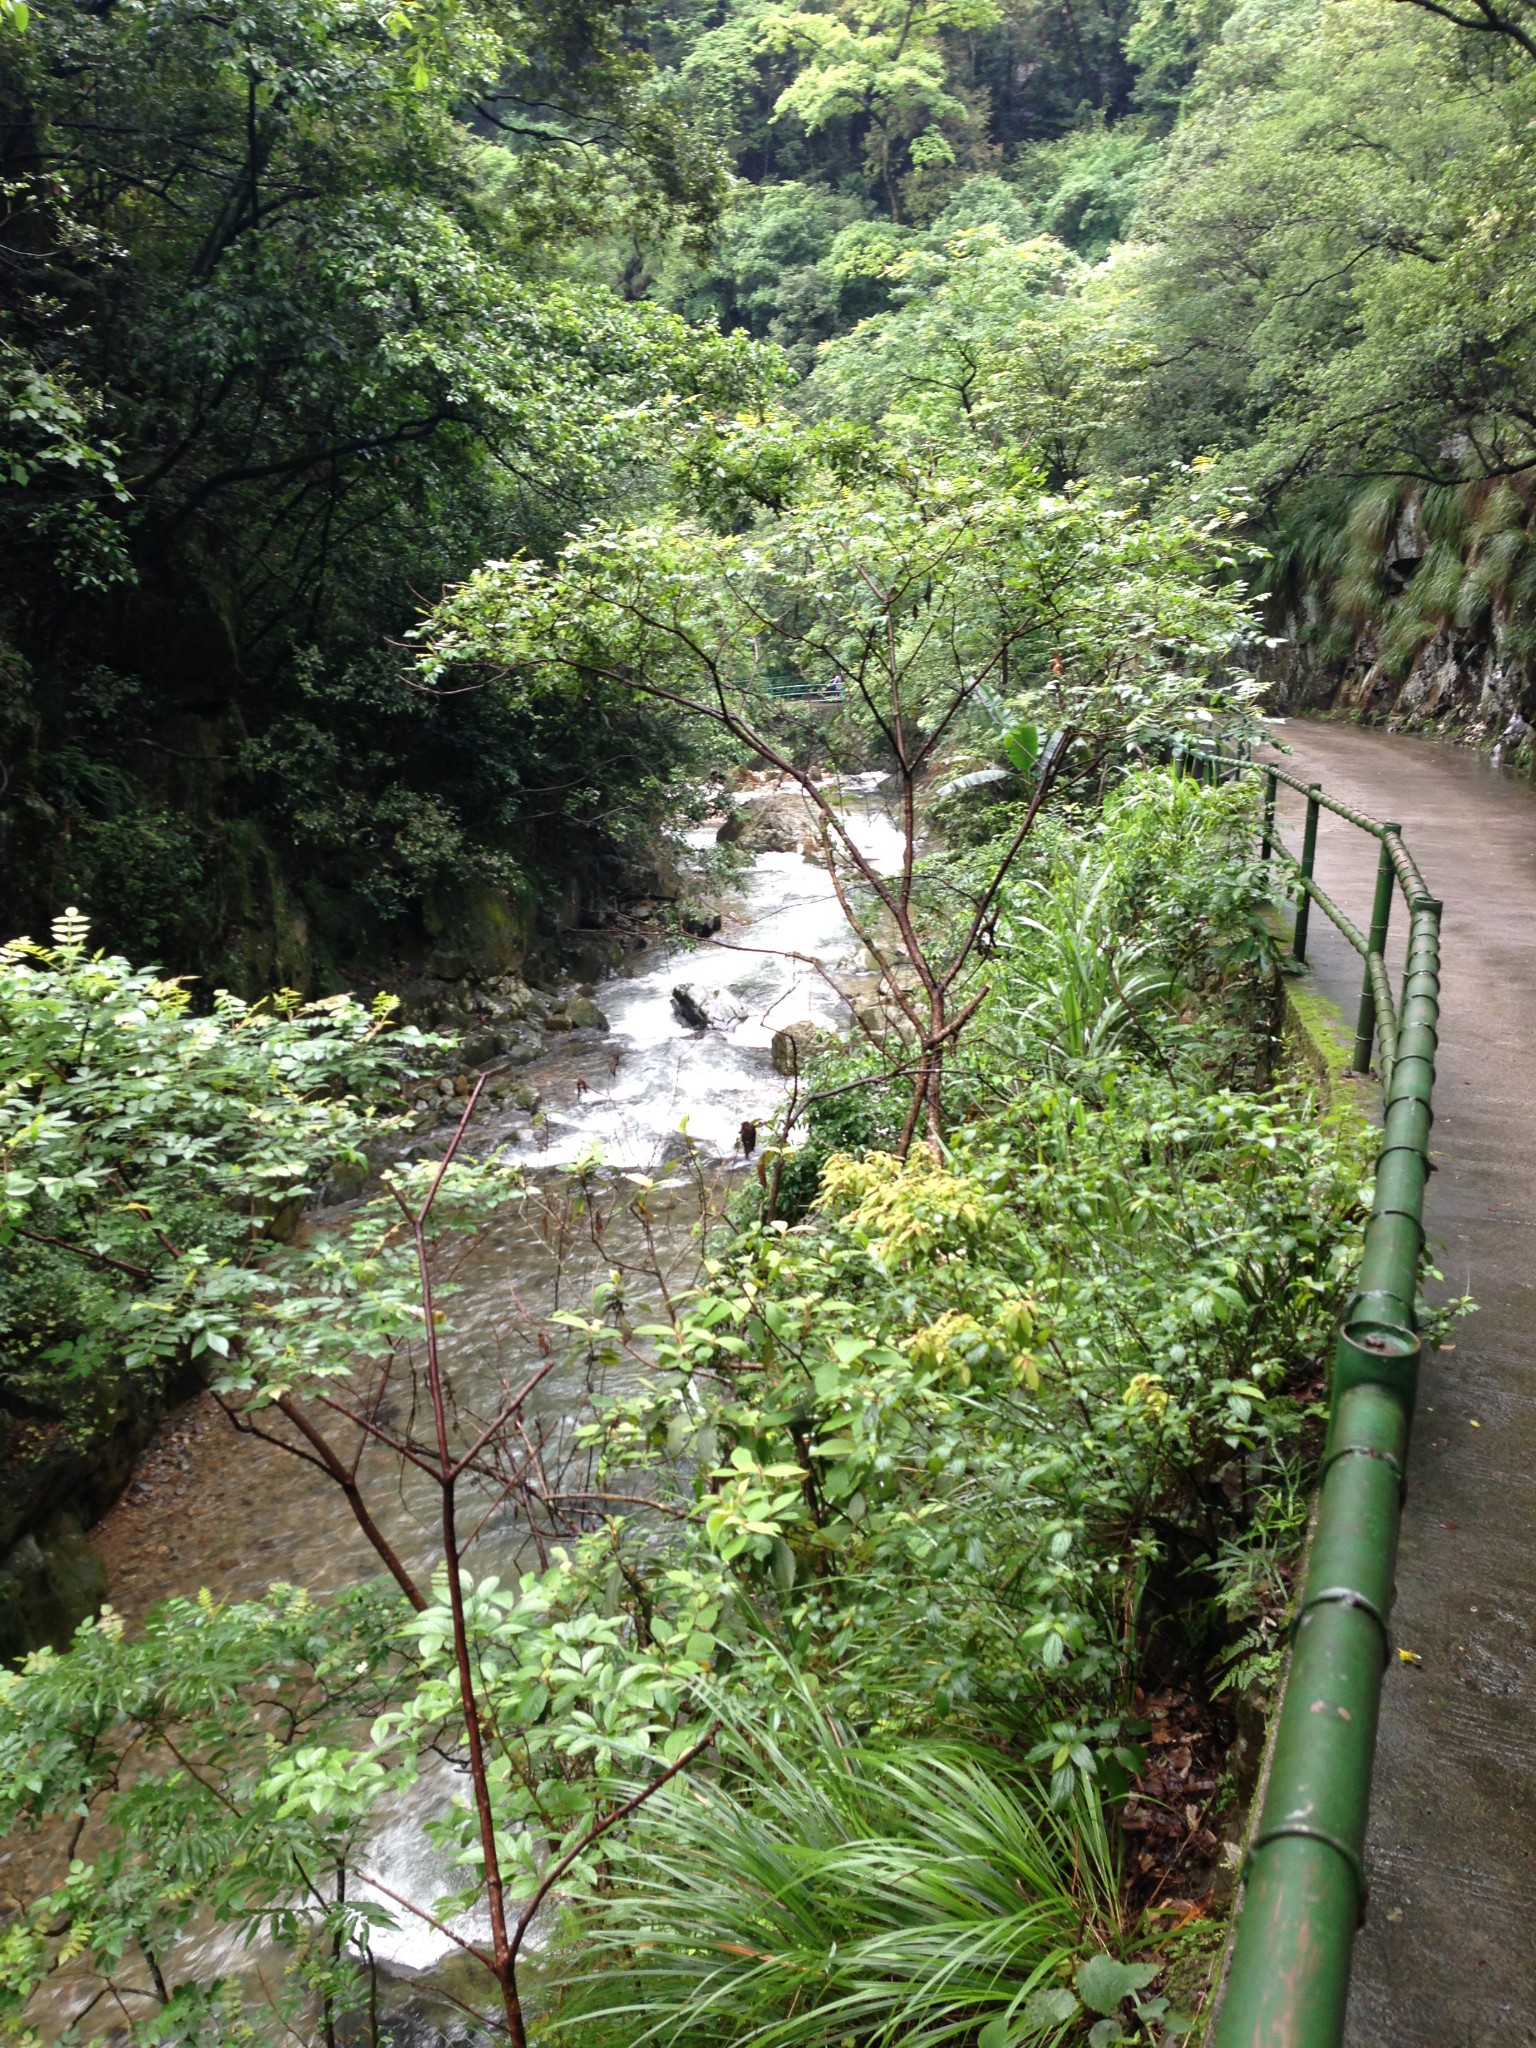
x,y
890,1594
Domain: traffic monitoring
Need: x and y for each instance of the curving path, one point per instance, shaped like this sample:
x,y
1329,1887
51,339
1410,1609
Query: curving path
x,y
1448,1955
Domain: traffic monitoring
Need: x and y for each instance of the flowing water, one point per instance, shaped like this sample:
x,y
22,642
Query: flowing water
x,y
668,1079
211,1509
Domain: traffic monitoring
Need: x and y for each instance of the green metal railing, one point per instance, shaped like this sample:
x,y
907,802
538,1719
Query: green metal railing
x,y
1304,1886
795,689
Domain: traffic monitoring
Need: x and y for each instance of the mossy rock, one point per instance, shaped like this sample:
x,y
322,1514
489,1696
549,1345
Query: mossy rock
x,y
50,1582
475,929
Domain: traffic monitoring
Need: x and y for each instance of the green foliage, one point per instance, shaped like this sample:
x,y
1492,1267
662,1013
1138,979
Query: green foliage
x,y
184,1733
897,1496
323,346
828,1886
1085,187
1325,225
894,1500
1166,43
148,1151
916,582
950,1436
881,66
990,337
793,264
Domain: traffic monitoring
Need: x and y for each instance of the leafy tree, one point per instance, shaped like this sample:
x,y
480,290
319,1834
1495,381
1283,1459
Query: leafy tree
x,y
994,338
1166,43
1511,23
787,267
1085,186
149,1153
285,340
1323,276
904,588
881,68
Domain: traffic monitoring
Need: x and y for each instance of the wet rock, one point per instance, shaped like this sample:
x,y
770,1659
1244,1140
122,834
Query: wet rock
x,y
792,1046
479,1047
49,1583
346,1181
699,1008
474,928
585,1015
778,822
558,1020
701,924
507,1000
690,1007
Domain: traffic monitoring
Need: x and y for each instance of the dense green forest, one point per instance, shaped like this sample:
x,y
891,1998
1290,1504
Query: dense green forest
x,y
449,448
307,311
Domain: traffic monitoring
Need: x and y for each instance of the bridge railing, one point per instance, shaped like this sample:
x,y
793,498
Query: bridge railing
x,y
1304,1890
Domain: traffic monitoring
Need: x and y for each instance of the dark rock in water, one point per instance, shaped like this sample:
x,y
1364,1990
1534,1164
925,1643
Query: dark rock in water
x,y
479,1047
585,1015
702,925
776,824
689,1006
699,1008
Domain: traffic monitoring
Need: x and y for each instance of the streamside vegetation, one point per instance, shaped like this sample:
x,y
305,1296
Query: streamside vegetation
x,y
803,1674
442,445
306,311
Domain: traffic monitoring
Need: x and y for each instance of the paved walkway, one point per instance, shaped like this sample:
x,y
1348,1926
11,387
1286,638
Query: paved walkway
x,y
1448,1956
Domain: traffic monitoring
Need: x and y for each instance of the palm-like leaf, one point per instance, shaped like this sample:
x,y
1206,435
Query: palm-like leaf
x,y
1091,982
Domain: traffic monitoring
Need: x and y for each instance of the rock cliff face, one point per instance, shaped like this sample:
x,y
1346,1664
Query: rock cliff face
x,y
1419,633
1464,685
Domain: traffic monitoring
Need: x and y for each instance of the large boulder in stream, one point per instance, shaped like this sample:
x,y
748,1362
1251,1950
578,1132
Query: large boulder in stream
x,y
699,1008
780,823
793,1046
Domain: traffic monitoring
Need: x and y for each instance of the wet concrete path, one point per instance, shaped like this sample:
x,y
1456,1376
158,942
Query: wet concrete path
x,y
1448,1955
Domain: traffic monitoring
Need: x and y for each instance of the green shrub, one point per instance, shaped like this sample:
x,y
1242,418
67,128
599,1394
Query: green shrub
x,y
148,1151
